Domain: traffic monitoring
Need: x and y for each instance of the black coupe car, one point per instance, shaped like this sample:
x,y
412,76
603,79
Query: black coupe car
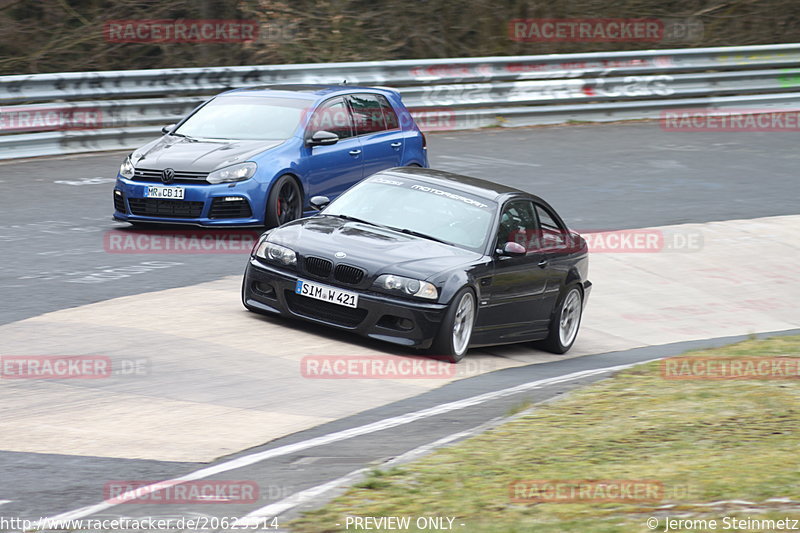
x,y
427,259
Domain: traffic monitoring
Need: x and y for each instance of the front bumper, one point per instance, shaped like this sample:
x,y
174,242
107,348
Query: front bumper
x,y
202,205
378,316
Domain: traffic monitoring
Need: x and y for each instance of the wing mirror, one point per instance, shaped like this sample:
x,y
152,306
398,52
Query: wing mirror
x,y
322,138
512,249
319,202
168,129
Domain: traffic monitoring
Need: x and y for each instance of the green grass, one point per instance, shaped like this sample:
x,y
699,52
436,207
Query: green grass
x,y
703,440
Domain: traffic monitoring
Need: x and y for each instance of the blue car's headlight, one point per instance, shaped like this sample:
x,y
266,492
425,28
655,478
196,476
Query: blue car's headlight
x,y
238,172
275,252
408,286
126,168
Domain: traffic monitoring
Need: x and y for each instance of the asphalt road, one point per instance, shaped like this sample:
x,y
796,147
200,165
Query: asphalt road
x,y
48,485
55,211
53,215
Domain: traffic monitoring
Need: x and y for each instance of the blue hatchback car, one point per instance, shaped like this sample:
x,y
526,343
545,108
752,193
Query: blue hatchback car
x,y
256,156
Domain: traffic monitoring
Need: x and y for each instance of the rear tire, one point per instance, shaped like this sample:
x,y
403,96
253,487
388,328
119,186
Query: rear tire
x,y
566,321
285,202
452,341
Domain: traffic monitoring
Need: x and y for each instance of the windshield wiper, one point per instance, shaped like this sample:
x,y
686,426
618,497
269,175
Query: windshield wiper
x,y
353,219
418,234
183,136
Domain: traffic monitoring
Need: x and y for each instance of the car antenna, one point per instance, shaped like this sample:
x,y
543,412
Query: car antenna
x,y
344,82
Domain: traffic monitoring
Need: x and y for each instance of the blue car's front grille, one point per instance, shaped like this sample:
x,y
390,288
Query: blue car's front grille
x,y
119,202
153,207
224,208
150,175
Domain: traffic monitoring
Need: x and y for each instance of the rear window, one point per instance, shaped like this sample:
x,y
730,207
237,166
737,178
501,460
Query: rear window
x,y
367,113
389,115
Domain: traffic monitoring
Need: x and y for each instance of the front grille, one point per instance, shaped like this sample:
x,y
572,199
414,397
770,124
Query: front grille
x,y
319,267
222,208
348,274
150,175
154,207
119,202
333,313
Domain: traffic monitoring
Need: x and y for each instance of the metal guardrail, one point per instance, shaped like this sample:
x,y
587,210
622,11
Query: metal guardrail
x,y
128,107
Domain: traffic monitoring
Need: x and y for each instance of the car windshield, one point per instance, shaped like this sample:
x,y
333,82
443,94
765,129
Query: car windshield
x,y
245,118
442,214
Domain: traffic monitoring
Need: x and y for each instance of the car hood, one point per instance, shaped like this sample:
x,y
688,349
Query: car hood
x,y
375,249
193,155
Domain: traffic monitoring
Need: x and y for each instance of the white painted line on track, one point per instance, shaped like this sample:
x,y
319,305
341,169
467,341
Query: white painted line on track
x,y
380,425
3,502
257,517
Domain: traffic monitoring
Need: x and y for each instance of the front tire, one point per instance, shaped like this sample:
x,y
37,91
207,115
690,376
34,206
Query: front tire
x,y
452,341
566,321
285,202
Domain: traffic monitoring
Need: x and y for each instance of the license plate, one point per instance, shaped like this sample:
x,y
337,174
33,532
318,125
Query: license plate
x,y
326,294
172,193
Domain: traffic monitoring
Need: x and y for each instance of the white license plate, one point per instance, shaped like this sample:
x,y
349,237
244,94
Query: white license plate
x,y
326,294
172,193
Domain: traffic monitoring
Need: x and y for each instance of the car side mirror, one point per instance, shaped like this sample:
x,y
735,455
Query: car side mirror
x,y
319,202
322,138
512,249
168,129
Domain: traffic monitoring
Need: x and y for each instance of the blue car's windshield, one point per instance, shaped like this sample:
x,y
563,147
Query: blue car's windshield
x,y
245,118
443,214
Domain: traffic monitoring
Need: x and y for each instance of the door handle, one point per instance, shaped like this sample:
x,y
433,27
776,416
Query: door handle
x,y
396,145
542,263
354,152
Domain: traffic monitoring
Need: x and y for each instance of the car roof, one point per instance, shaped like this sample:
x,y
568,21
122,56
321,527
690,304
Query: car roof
x,y
307,91
475,186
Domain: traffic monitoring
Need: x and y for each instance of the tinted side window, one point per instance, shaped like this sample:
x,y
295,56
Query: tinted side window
x,y
367,113
518,224
389,115
332,116
552,234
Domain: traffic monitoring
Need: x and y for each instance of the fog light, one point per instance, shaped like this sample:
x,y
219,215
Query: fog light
x,y
232,199
264,289
404,323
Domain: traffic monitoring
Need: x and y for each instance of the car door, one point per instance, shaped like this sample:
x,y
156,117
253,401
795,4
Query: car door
x,y
515,307
554,244
382,143
331,169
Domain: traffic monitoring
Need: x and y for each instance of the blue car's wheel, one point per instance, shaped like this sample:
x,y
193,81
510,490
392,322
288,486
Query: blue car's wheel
x,y
285,202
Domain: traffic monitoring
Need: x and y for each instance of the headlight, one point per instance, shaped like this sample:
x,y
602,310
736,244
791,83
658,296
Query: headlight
x,y
239,172
408,286
276,253
126,168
